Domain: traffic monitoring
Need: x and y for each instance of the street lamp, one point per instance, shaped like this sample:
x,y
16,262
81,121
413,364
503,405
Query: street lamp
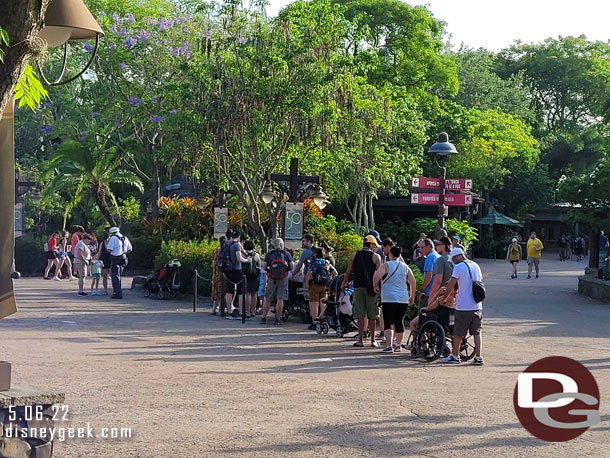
x,y
443,150
267,193
64,21
319,198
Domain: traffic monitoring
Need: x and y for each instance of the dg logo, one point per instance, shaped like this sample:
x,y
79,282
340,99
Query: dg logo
x,y
557,399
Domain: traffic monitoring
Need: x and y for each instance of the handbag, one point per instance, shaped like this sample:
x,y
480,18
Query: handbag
x,y
370,289
478,287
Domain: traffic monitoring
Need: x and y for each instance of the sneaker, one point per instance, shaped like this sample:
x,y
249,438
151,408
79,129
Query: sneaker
x,y
529,276
83,294
397,349
45,278
263,320
478,361
387,350
451,359
56,278
278,322
536,275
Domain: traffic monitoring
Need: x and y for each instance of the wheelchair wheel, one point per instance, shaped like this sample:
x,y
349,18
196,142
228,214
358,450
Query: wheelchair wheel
x,y
325,328
146,293
431,340
467,348
285,314
414,351
339,331
446,351
161,294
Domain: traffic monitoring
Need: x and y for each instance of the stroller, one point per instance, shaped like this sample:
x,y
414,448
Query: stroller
x,y
338,312
165,281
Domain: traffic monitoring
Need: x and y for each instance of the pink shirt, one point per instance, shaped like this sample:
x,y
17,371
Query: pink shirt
x,y
74,241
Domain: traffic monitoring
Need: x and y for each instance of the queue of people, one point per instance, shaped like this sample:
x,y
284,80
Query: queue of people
x,y
377,280
84,256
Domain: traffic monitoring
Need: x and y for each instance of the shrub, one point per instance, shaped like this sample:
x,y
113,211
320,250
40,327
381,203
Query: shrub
x,y
406,234
193,255
145,250
29,254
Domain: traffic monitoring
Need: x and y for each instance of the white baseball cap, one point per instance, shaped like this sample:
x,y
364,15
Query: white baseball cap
x,y
456,252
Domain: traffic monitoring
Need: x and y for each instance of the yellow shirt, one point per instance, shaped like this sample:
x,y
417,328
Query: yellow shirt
x,y
534,243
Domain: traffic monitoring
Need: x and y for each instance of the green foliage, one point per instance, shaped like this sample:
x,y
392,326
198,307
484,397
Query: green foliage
x,y
4,42
29,91
338,234
145,251
412,310
406,234
129,210
193,255
181,219
29,254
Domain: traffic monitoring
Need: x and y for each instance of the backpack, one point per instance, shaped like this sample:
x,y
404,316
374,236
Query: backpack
x,y
278,267
320,275
478,287
251,268
224,257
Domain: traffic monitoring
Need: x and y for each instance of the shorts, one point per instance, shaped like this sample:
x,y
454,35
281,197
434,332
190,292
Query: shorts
x,y
252,283
515,261
364,305
51,255
317,293
532,260
81,269
467,322
233,281
277,289
96,275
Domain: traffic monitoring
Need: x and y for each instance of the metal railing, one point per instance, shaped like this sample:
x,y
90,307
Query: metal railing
x,y
223,305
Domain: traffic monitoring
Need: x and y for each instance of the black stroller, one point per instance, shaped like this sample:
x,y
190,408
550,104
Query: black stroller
x,y
338,313
165,281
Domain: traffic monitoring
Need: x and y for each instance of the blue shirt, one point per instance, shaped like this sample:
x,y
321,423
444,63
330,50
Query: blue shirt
x,y
429,267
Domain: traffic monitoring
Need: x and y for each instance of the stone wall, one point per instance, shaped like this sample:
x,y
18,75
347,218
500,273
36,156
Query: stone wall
x,y
12,445
594,288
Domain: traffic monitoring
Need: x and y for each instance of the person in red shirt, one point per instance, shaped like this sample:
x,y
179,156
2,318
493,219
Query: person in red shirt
x,y
52,250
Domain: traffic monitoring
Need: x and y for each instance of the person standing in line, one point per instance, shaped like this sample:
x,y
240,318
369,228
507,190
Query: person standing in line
x,y
513,255
96,274
217,276
316,279
416,249
391,279
65,245
277,264
104,257
252,270
456,243
431,257
52,253
76,235
119,247
82,258
233,276
534,252
443,267
363,265
468,312
300,270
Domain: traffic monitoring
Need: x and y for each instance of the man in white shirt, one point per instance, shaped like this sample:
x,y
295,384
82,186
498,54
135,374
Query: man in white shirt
x,y
119,247
468,312
82,258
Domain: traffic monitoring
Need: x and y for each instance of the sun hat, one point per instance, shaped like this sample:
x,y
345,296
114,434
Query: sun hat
x,y
113,230
371,239
376,235
514,239
456,252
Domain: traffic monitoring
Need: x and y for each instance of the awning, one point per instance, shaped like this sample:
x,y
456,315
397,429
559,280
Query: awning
x,y
494,218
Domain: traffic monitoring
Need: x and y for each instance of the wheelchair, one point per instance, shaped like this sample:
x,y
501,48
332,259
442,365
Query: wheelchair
x,y
433,340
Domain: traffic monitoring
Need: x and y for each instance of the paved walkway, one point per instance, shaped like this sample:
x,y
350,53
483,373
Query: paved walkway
x,y
193,385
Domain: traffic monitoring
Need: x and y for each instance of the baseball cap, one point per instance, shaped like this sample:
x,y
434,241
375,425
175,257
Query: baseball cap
x,y
456,252
371,239
376,235
113,230
457,237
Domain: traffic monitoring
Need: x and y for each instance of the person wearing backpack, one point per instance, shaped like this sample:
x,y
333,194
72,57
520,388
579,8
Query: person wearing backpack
x,y
119,247
230,260
513,255
316,279
297,278
468,310
278,264
252,270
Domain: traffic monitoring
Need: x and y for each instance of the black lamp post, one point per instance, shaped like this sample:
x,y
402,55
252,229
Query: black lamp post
x,y
294,181
443,150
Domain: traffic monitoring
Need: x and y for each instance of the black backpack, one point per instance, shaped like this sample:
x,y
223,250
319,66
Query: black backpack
x,y
320,275
224,257
478,287
251,268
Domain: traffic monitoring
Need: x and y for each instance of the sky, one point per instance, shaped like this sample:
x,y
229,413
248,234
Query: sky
x,y
496,24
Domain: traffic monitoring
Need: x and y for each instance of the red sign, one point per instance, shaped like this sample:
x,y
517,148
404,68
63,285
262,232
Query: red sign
x,y
434,183
453,200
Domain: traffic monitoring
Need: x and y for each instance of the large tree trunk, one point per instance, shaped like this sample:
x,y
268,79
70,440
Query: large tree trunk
x,y
155,183
100,198
22,20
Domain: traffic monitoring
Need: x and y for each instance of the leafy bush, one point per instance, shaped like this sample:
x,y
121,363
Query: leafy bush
x,y
145,250
406,234
29,255
193,255
419,280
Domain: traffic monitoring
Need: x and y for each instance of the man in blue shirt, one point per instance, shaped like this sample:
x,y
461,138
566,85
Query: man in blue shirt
x,y
427,248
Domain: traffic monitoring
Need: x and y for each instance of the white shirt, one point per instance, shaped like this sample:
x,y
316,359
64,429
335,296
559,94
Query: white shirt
x,y
116,247
81,249
465,300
